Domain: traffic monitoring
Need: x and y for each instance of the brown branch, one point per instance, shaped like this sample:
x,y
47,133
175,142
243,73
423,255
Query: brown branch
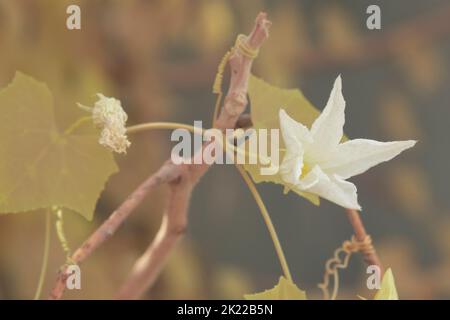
x,y
168,172
244,121
174,222
370,257
147,268
181,180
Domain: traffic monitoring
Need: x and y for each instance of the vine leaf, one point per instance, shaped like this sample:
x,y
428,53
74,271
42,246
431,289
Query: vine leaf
x,y
266,101
41,166
388,291
284,290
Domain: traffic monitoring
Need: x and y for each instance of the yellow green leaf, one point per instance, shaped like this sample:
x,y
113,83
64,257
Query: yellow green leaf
x,y
284,290
265,102
388,291
40,165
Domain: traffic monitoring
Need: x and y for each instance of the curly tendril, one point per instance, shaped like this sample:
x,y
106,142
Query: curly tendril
x,y
340,260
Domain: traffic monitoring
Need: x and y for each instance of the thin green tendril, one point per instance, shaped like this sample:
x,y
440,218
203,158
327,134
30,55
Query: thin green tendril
x,y
45,256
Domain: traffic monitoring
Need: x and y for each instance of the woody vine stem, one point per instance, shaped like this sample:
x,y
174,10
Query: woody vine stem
x,y
181,180
245,176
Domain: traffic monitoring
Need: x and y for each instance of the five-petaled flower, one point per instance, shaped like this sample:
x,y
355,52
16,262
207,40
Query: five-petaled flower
x,y
318,162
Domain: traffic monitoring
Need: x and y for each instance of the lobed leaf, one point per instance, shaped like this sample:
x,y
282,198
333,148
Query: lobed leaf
x,y
388,291
284,290
41,166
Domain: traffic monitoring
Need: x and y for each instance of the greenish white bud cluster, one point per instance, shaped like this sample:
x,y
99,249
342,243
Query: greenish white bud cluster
x,y
109,116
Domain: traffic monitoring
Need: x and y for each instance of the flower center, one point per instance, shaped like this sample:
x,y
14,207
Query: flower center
x,y
305,170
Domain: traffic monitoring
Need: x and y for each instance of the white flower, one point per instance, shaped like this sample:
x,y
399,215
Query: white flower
x,y
109,116
316,162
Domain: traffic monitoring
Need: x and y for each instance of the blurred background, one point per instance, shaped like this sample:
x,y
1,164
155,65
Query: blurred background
x,y
160,59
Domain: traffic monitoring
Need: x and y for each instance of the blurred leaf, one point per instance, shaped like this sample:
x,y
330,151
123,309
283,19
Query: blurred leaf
x,y
400,253
184,275
398,120
388,290
441,233
284,290
41,166
266,101
216,23
230,282
411,189
281,54
340,36
423,66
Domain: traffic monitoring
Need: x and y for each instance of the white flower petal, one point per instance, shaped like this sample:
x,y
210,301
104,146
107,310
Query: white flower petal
x,y
327,129
293,132
310,179
294,136
356,156
332,188
291,166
